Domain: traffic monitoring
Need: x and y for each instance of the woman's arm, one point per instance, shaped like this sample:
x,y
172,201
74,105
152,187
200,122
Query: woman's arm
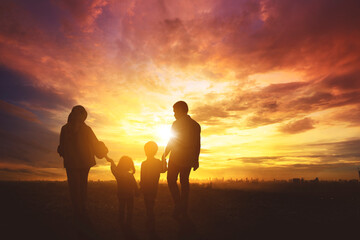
x,y
60,148
142,176
99,148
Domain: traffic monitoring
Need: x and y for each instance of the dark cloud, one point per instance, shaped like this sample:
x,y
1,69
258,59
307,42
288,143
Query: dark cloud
x,y
210,114
345,82
324,167
308,171
344,152
298,126
27,142
17,111
350,116
277,103
20,89
284,88
345,148
30,173
246,36
262,159
80,14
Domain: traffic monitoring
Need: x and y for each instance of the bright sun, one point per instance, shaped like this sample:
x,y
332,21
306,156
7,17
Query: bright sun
x,y
164,134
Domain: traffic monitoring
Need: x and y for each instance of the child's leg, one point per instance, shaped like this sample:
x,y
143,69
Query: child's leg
x,y
149,204
121,211
129,210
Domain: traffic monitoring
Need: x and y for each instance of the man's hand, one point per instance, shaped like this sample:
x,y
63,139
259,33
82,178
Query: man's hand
x,y
196,166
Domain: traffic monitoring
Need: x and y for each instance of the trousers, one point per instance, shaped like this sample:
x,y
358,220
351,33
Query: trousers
x,y
77,181
180,199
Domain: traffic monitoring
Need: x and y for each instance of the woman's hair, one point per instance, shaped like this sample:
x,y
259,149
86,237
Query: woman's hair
x,y
78,114
126,164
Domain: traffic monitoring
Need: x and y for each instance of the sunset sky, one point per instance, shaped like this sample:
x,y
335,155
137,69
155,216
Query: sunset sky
x,y
275,85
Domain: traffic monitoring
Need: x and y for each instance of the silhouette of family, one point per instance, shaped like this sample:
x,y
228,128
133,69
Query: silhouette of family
x,y
79,146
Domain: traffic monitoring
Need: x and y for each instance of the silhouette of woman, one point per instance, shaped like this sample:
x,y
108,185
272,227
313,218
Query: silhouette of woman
x,y
78,146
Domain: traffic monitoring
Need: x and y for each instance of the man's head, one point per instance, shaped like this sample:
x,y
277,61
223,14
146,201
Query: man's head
x,y
150,148
180,109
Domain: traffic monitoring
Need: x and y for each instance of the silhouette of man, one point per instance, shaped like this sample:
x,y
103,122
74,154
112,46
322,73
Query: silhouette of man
x,y
184,149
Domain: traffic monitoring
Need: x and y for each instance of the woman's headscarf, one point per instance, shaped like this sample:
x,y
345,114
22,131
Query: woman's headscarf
x,y
77,116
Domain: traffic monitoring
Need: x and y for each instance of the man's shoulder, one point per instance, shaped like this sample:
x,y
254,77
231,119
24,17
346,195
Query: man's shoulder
x,y
194,123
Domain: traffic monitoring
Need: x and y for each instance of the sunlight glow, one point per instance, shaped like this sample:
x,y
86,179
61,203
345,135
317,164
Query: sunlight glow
x,y
164,134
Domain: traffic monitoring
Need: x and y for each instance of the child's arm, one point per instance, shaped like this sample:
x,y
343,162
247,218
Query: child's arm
x,y
142,174
113,166
134,185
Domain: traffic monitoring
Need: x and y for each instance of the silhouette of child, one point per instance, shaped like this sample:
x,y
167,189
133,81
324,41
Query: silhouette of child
x,y
149,180
127,188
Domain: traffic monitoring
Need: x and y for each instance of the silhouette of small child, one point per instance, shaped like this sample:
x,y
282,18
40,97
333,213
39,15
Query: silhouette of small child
x,y
127,188
149,180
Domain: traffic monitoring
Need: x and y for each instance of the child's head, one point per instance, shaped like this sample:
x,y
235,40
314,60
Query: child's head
x,y
150,148
126,164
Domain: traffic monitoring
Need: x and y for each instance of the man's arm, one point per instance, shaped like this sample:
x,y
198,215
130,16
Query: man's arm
x,y
167,151
197,148
163,167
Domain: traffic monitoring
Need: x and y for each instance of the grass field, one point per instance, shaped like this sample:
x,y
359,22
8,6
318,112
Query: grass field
x,y
42,210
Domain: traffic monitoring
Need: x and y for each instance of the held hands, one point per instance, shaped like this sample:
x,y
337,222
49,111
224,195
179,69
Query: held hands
x,y
108,159
164,163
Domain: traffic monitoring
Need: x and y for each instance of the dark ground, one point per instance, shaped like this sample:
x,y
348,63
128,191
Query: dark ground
x,y
42,210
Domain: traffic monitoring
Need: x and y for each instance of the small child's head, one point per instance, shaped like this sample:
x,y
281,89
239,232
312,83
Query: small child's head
x,y
126,164
150,148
